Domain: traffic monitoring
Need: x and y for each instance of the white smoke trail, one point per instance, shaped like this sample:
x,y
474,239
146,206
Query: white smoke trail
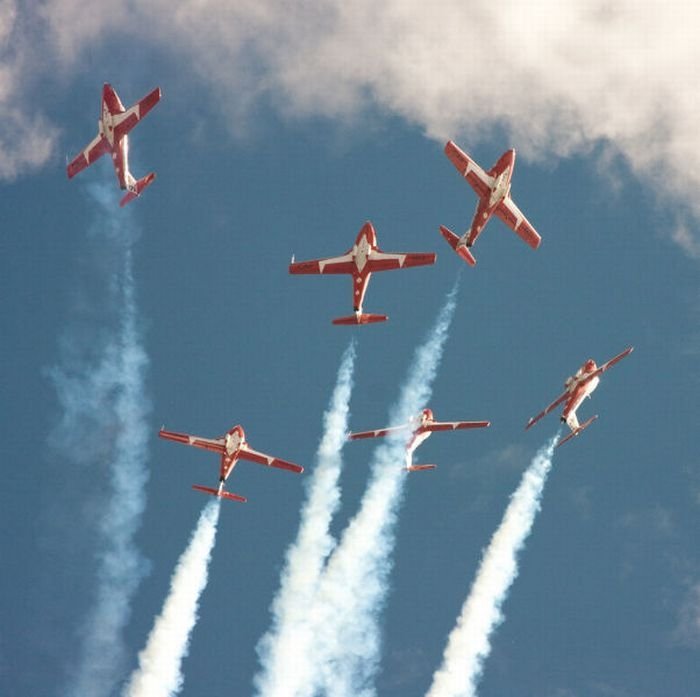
x,y
469,644
104,426
284,651
354,585
160,663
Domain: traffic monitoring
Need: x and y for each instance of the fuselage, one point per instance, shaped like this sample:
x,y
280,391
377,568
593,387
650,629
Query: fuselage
x,y
418,435
234,441
502,173
365,244
111,106
580,385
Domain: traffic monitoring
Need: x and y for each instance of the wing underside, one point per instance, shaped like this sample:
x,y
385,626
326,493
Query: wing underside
x,y
454,425
387,261
512,216
340,264
478,179
612,361
211,444
125,121
268,460
92,152
546,411
378,433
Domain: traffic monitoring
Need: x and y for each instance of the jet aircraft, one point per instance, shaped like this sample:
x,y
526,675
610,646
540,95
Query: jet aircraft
x,y
420,427
361,260
113,127
232,447
493,190
577,387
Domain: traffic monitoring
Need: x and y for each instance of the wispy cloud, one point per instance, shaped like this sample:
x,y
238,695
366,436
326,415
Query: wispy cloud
x,y
345,615
160,663
27,138
284,651
103,424
687,631
469,643
685,239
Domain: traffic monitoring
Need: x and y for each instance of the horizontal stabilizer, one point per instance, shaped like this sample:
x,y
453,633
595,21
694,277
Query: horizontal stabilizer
x,y
137,189
420,468
219,494
360,319
578,430
461,249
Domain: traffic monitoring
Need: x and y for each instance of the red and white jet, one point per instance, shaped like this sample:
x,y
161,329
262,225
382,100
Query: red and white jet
x,y
579,386
493,190
421,427
232,447
361,260
114,124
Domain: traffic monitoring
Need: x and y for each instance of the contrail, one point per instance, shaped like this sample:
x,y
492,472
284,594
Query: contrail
x,y
353,588
160,663
284,651
104,426
469,644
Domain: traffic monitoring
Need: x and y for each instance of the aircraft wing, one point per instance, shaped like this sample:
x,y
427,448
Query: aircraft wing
x,y
470,170
511,215
453,425
341,264
378,433
386,261
94,150
125,121
215,445
612,362
553,405
269,461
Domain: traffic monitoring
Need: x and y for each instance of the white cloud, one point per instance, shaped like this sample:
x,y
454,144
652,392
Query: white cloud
x,y
557,78
26,137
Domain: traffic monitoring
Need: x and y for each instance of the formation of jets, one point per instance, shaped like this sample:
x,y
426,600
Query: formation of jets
x,y
360,261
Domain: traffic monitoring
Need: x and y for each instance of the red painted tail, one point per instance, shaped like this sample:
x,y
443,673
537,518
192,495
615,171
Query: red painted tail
x,y
575,432
420,468
461,249
360,319
219,494
137,188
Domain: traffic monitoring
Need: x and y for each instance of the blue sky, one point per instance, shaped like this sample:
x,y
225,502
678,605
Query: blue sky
x,y
275,138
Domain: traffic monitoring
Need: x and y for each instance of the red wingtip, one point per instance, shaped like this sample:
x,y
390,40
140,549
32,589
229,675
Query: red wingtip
x,y
420,468
465,254
219,494
461,249
138,189
360,319
577,431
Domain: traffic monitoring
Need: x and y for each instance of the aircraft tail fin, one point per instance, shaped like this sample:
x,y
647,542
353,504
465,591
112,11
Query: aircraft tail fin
x,y
454,242
360,318
578,430
219,493
420,468
137,188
